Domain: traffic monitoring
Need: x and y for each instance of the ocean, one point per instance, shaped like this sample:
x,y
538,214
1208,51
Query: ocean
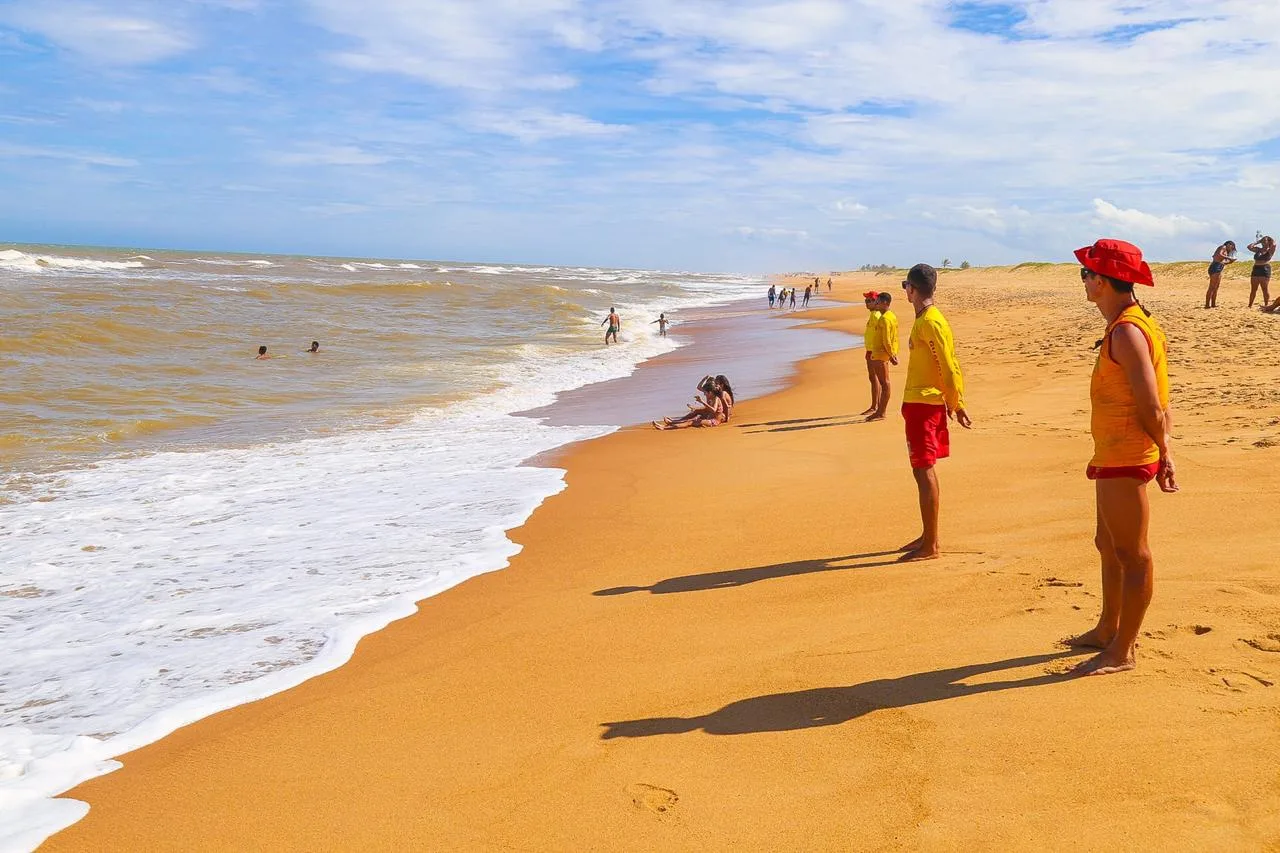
x,y
185,528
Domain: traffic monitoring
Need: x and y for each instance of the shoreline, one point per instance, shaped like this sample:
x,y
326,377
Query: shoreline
x,y
92,759
742,586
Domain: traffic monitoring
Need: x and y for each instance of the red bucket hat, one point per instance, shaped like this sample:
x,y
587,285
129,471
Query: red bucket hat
x,y
871,294
1116,259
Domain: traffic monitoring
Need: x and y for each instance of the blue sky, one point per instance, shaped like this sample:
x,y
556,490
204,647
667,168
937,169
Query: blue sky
x,y
749,135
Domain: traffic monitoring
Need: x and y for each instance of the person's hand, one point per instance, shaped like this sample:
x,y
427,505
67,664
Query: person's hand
x,y
1165,475
962,418
893,359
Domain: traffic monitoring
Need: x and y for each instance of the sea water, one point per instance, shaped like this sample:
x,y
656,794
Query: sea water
x,y
185,528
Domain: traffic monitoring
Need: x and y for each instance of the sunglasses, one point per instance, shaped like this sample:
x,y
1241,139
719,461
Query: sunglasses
x,y
905,285
1085,273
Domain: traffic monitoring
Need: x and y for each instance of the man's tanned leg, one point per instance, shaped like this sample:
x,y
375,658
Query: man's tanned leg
x,y
926,547
881,370
1122,504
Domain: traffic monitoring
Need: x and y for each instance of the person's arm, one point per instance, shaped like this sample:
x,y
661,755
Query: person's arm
x,y
1131,350
1255,246
891,338
949,369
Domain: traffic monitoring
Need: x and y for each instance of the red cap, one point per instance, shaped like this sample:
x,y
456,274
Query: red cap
x,y
871,294
1116,259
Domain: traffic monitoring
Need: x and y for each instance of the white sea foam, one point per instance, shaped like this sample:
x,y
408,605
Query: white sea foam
x,y
142,594
12,259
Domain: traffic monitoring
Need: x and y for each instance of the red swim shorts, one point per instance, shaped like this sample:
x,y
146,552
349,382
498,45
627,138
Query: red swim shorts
x,y
927,437
1141,473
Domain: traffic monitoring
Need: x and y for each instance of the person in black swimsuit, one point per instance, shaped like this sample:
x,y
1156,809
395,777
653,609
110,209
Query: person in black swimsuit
x,y
1223,255
1263,250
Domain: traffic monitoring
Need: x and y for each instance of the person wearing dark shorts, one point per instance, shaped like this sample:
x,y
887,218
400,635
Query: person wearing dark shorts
x,y
1264,249
1223,255
934,393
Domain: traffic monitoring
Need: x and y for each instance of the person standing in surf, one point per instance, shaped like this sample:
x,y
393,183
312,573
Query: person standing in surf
x,y
615,323
662,325
1130,424
934,393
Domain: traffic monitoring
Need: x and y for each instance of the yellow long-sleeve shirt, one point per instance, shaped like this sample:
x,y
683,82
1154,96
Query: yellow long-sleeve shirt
x,y
871,335
886,338
933,371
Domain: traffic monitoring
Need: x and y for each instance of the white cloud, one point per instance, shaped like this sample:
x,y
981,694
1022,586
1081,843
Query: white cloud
x,y
494,46
106,35
87,158
1139,224
535,125
326,155
849,208
786,235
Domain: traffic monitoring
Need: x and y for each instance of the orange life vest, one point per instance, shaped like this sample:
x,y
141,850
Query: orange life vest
x,y
1118,437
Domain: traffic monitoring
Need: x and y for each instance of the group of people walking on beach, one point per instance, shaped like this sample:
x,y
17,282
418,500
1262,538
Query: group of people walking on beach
x,y
780,298
1263,249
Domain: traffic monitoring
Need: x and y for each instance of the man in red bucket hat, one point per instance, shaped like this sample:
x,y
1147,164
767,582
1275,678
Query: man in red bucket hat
x,y
1130,426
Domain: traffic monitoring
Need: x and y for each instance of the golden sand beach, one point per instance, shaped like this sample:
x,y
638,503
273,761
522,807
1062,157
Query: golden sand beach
x,y
706,643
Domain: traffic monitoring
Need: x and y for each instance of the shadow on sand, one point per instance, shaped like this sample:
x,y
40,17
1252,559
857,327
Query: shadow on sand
x,y
742,577
831,706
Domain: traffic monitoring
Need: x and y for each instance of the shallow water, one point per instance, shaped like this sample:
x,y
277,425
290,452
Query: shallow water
x,y
185,528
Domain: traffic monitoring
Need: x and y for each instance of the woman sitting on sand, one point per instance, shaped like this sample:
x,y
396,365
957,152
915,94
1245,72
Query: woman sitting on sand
x,y
1223,255
709,411
1263,250
1273,308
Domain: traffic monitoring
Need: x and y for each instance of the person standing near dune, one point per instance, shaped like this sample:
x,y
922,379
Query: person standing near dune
x,y
1131,421
1223,255
885,353
934,393
1264,249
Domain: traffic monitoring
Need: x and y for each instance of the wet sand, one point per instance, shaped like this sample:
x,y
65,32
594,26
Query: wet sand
x,y
706,642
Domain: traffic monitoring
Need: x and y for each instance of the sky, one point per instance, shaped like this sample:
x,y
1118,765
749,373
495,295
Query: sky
x,y
754,136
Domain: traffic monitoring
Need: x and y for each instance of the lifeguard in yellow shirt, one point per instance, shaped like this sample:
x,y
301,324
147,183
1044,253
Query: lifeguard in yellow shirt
x,y
934,393
885,352
870,341
1130,425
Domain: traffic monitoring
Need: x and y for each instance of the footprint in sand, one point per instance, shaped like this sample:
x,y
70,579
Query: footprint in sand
x,y
652,798
1269,643
1059,582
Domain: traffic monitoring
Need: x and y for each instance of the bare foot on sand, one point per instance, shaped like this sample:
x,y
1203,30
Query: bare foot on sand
x,y
875,417
913,545
920,553
865,412
1105,663
1094,639
657,425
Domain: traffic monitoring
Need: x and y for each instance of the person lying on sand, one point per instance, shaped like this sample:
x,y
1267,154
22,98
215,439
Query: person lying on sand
x,y
1273,308
1130,425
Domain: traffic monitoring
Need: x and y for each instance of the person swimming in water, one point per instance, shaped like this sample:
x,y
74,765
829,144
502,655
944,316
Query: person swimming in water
x,y
262,354
315,347
1223,255
1260,278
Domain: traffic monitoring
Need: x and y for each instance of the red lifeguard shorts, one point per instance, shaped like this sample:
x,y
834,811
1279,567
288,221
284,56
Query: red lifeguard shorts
x,y
927,437
1141,473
